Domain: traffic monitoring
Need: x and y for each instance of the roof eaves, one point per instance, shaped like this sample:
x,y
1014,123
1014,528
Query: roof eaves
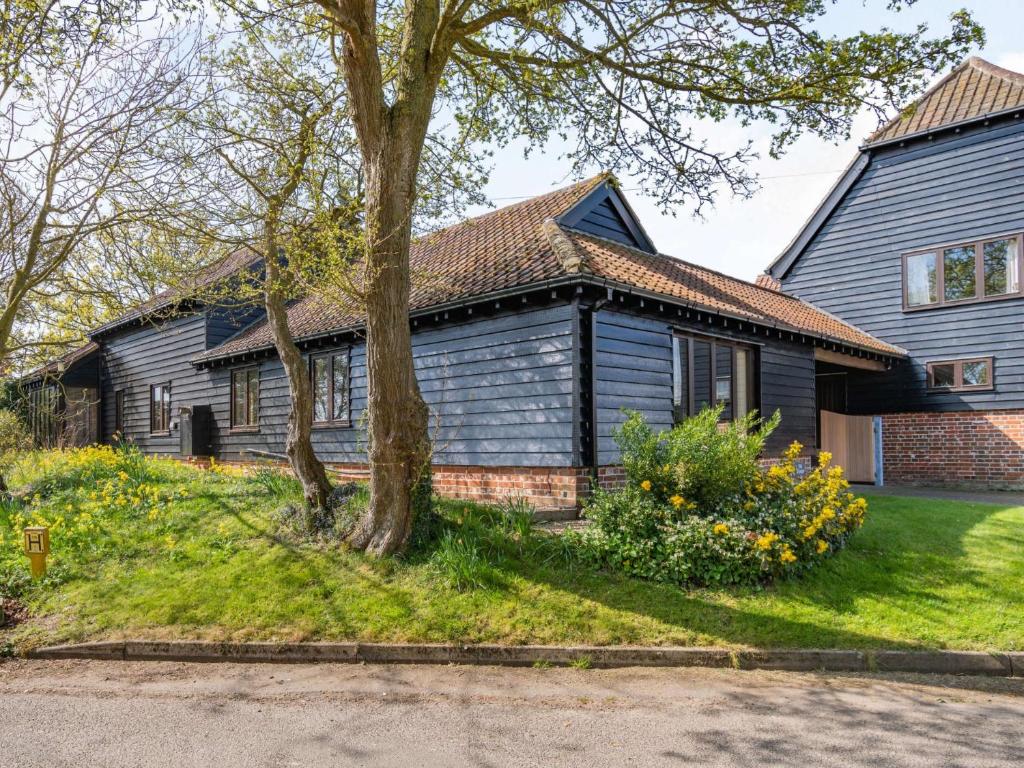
x,y
627,288
554,282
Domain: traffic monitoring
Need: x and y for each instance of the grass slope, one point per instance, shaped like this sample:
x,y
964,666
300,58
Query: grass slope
x,y
921,573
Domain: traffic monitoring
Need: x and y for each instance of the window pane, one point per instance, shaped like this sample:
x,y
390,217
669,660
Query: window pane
x,y
1001,267
680,380
701,375
320,389
252,397
723,380
340,388
943,375
977,374
958,269
238,398
922,280
166,423
157,408
742,404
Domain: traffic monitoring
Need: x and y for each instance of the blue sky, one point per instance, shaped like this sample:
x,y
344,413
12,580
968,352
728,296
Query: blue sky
x,y
740,237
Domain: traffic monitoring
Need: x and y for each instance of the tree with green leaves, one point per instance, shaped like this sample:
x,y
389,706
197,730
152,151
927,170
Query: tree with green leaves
x,y
265,162
634,85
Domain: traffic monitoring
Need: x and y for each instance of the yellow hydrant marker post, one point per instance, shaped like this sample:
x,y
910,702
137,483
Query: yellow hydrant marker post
x,y
37,547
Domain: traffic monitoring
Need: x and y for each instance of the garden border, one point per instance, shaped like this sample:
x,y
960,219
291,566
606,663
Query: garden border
x,y
1001,664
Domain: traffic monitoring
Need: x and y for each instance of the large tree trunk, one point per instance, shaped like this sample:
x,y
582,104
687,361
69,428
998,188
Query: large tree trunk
x,y
398,443
299,444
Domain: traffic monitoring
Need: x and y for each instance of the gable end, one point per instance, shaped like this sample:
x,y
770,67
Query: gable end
x,y
785,261
605,213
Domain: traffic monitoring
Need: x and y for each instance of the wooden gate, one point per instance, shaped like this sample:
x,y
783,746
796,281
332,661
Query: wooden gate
x,y
851,441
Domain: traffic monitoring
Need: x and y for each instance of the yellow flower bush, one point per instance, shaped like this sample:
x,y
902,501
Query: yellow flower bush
x,y
754,524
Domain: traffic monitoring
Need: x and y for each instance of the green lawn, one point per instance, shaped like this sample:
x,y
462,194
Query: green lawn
x,y
216,565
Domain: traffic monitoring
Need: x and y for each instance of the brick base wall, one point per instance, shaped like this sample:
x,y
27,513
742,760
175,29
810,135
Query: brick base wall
x,y
963,448
547,488
611,478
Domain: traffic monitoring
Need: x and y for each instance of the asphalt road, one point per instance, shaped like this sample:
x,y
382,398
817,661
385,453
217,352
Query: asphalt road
x,y
148,714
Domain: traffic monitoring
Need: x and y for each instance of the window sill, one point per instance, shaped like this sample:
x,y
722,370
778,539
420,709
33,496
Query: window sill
x,y
962,302
332,425
243,430
957,390
166,433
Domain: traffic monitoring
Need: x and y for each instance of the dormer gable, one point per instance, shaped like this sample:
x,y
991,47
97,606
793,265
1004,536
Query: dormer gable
x,y
604,212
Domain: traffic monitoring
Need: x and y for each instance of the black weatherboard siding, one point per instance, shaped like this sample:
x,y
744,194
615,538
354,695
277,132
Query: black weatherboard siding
x,y
500,391
956,187
634,371
154,353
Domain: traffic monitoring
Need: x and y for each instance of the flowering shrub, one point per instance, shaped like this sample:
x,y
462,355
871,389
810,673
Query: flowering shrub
x,y
700,464
756,526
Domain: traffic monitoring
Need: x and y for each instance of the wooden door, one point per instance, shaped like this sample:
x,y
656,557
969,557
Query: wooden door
x,y
851,441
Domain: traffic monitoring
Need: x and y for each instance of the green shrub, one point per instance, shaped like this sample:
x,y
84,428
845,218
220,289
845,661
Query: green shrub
x,y
516,517
345,506
425,520
751,525
43,473
701,464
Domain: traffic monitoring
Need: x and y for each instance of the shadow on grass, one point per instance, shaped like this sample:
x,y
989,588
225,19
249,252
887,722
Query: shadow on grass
x,y
907,552
913,548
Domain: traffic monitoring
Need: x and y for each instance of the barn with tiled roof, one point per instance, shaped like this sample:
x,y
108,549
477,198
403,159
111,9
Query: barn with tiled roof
x,y
536,326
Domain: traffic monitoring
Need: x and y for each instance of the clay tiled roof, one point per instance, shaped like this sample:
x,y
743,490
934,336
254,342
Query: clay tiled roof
x,y
502,249
704,288
974,89
523,245
230,265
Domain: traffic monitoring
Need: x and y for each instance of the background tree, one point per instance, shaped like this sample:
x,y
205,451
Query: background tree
x,y
631,84
83,90
262,163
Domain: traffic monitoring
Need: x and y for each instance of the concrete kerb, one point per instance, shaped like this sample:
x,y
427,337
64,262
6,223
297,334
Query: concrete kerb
x,y
936,662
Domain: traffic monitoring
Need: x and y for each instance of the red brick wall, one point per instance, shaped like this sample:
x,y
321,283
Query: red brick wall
x,y
560,488
547,488
969,448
